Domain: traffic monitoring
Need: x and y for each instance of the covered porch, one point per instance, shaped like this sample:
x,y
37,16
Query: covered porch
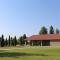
x,y
38,42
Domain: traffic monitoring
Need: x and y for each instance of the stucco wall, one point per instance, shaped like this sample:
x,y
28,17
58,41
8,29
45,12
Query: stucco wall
x,y
55,43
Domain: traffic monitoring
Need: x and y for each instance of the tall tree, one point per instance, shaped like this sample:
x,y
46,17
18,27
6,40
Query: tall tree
x,y
6,42
15,41
43,30
21,40
9,40
51,30
2,41
57,31
24,37
12,41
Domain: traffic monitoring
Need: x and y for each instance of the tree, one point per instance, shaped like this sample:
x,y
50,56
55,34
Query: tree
x,y
57,31
9,41
51,30
15,41
24,36
2,41
21,40
12,41
43,30
6,42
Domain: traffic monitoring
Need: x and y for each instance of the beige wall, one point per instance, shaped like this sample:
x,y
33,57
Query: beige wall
x,y
55,43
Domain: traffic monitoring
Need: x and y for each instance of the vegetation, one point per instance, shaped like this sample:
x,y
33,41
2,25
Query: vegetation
x,y
15,41
51,30
2,41
9,40
21,39
12,41
6,42
57,31
43,30
30,53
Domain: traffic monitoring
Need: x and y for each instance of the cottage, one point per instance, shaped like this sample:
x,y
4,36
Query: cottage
x,y
44,40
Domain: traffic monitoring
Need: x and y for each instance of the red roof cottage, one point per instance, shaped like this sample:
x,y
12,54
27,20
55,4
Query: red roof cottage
x,y
44,40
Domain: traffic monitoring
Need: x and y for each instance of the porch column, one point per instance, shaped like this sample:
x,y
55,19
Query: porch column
x,y
41,43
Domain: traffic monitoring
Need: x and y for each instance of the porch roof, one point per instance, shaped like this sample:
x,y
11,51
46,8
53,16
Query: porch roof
x,y
44,37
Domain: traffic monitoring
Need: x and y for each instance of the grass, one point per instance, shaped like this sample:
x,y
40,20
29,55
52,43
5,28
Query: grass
x,y
30,53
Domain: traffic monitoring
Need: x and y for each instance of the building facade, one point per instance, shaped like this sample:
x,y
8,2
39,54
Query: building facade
x,y
43,40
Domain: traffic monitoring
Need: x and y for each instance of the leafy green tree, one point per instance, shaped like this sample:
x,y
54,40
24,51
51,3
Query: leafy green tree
x,y
2,41
51,30
57,31
43,30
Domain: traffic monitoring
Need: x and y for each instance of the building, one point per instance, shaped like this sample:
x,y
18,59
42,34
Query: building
x,y
44,40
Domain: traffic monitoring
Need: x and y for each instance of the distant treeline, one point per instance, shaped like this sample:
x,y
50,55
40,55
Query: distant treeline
x,y
51,30
12,41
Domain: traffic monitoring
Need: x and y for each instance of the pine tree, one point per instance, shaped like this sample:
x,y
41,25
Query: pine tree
x,y
21,41
51,30
2,41
23,38
57,31
6,42
9,40
15,41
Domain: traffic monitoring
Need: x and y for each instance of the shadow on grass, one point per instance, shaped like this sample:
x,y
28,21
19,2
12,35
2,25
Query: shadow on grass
x,y
15,54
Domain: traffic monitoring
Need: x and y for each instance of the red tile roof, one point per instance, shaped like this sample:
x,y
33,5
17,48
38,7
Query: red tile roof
x,y
44,37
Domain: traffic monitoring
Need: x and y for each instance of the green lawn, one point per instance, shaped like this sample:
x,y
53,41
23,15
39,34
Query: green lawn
x,y
30,53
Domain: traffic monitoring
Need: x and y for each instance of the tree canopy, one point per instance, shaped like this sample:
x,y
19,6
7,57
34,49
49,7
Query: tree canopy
x,y
43,30
57,31
51,31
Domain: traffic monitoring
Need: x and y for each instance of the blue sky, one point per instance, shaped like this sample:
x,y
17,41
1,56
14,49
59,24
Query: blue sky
x,y
18,17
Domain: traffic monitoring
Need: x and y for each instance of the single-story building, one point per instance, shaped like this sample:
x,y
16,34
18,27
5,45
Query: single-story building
x,y
44,40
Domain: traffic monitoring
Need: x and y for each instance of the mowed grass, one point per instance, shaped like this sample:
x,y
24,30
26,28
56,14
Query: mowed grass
x,y
30,53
